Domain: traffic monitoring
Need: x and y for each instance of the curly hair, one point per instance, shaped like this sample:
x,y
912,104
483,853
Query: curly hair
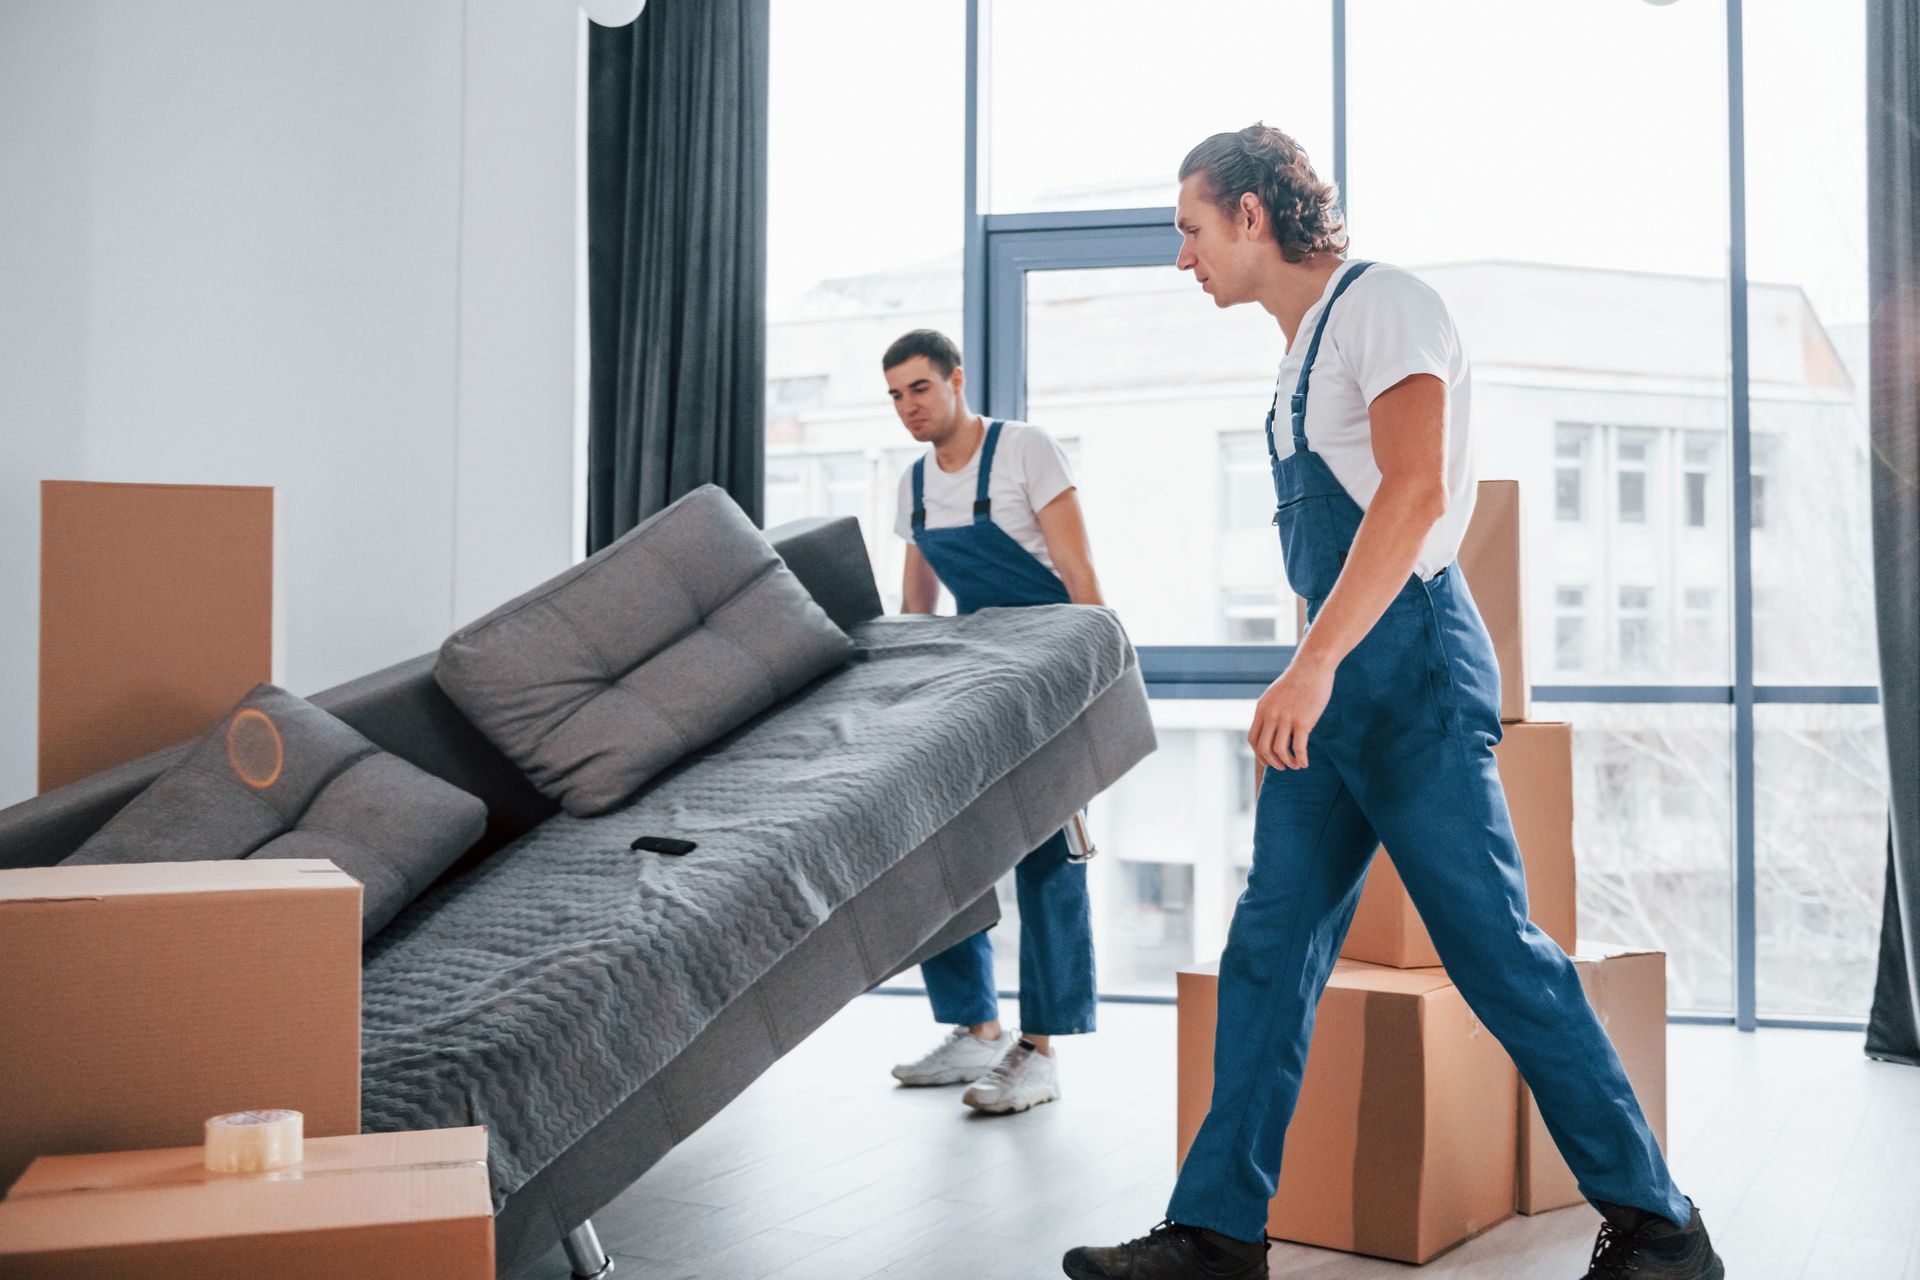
x,y
1304,211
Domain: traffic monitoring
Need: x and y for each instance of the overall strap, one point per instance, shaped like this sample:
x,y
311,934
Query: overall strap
x,y
1354,272
920,493
982,505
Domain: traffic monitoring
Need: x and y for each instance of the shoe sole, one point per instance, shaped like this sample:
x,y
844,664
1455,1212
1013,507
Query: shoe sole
x,y
944,1078
988,1109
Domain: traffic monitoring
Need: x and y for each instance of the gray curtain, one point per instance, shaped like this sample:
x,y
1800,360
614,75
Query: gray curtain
x,y
676,259
1893,295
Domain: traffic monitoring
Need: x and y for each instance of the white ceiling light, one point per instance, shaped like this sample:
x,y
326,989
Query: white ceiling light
x,y
613,13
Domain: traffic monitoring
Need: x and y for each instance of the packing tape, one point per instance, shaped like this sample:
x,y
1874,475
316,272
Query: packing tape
x,y
252,1141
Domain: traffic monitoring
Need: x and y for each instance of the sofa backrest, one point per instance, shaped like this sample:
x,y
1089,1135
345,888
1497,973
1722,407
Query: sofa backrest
x,y
402,710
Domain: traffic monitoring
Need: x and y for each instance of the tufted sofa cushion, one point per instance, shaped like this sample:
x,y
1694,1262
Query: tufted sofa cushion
x,y
682,630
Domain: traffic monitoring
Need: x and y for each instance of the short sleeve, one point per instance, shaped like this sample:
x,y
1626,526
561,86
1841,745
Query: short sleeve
x,y
903,520
1400,328
1045,472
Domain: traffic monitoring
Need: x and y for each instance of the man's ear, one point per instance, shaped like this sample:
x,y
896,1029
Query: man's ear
x,y
1253,214
959,380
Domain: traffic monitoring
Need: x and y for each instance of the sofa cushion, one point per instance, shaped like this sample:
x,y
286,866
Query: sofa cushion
x,y
682,630
280,778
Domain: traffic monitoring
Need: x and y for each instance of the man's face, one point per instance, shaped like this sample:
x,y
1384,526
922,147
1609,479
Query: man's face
x,y
927,403
1218,247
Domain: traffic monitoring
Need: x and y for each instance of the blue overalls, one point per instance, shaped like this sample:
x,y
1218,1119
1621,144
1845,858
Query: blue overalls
x,y
1403,754
985,568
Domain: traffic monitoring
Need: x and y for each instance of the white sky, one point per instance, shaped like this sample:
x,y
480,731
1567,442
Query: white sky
x,y
1576,131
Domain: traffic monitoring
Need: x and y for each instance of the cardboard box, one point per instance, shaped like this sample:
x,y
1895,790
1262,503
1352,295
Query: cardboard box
x,y
1627,987
386,1204
1492,557
1494,566
1536,769
1400,1146
141,999
156,616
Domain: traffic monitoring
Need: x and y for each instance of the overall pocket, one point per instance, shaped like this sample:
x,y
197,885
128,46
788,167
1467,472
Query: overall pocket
x,y
1312,544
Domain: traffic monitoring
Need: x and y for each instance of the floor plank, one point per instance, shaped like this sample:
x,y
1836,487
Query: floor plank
x,y
1804,1156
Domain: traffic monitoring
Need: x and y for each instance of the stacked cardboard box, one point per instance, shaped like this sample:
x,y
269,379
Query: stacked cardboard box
x,y
377,1204
143,999
1400,1144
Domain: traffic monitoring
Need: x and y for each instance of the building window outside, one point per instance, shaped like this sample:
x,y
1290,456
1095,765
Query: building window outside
x,y
1252,615
1631,450
1570,473
1701,453
1246,481
1760,471
1635,620
1700,630
1570,629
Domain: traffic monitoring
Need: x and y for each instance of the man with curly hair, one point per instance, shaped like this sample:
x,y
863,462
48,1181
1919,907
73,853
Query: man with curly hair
x,y
1396,685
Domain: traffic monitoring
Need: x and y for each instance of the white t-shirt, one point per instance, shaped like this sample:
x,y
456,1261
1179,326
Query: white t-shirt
x,y
1387,326
1029,471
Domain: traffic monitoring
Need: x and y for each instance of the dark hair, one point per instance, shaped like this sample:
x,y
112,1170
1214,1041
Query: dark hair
x,y
936,346
1304,211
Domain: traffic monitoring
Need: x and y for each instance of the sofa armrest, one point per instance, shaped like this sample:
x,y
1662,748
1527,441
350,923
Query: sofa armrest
x,y
829,557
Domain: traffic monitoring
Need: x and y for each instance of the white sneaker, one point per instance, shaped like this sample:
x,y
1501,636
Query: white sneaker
x,y
961,1057
1021,1080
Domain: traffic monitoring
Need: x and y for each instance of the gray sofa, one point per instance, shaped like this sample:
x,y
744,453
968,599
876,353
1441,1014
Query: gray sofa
x,y
580,1101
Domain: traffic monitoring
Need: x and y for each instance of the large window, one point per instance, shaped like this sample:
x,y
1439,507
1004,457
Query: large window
x,y
1090,106
1678,518
863,243
1167,396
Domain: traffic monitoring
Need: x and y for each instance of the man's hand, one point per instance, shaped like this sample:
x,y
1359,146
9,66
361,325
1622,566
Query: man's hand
x,y
1287,712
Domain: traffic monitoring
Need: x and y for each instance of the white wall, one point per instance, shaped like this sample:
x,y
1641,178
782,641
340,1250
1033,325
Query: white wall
x,y
327,248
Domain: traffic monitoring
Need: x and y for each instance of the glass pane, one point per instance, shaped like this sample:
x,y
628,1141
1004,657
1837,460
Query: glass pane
x,y
1165,396
1090,108
1175,839
1820,792
1807,241
1652,795
1599,351
841,287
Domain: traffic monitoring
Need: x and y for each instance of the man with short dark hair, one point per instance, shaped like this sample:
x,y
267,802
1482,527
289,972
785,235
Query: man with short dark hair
x,y
990,511
1396,684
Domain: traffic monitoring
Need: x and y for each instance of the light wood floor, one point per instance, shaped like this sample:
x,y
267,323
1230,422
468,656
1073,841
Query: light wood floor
x,y
1803,1155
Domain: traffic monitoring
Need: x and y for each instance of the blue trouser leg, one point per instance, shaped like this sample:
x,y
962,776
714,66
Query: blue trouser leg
x,y
1405,749
1057,995
1311,846
960,983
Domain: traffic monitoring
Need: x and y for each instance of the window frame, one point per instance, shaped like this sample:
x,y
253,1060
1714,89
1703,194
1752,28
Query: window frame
x,y
1001,248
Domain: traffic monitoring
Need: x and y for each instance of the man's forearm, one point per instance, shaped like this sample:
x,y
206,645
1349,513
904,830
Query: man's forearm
x,y
1382,558
1082,586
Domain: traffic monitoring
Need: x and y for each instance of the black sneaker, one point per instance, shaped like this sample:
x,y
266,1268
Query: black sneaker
x,y
1637,1245
1171,1251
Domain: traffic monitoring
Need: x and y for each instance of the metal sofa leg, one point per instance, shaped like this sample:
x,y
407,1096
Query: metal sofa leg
x,y
588,1259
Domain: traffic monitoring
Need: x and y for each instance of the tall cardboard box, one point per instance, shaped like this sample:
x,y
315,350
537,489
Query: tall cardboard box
x,y
1627,987
156,616
1536,769
1492,558
1401,1145
383,1204
140,1000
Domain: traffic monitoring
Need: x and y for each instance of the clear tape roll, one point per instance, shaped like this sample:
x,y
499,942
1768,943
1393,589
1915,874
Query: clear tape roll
x,y
253,1141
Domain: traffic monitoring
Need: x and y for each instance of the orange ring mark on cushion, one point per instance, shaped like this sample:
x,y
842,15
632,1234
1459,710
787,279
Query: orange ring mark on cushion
x,y
254,749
